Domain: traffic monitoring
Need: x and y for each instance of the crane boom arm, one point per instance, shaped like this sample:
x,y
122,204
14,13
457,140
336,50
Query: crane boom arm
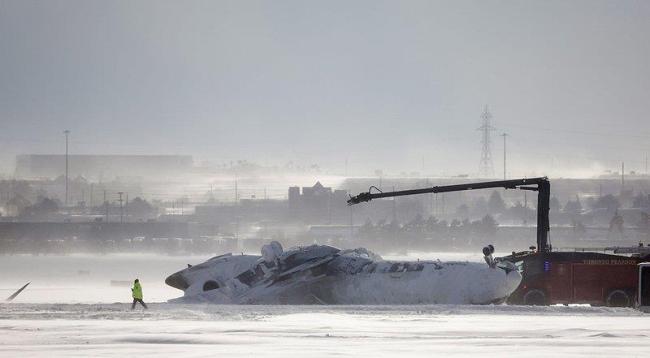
x,y
543,188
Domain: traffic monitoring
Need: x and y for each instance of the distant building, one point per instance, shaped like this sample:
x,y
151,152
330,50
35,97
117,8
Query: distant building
x,y
317,204
105,167
311,205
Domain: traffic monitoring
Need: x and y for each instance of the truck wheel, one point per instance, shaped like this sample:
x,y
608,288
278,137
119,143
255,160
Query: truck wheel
x,y
618,298
535,298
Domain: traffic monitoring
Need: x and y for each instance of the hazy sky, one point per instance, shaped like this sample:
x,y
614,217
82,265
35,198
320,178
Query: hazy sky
x,y
384,83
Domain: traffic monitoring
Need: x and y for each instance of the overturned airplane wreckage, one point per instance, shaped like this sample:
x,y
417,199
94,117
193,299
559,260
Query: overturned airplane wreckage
x,y
321,274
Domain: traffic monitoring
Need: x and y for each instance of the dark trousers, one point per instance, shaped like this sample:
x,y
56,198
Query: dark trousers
x,y
138,300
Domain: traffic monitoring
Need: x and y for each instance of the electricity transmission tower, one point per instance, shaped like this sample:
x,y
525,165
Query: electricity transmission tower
x,y
486,169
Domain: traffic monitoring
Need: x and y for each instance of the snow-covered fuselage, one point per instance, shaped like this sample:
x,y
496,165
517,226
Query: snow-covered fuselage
x,y
326,275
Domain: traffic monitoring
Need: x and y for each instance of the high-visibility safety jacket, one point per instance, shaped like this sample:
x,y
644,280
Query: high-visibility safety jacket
x,y
137,290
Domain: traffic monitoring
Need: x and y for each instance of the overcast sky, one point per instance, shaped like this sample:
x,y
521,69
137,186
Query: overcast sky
x,y
397,85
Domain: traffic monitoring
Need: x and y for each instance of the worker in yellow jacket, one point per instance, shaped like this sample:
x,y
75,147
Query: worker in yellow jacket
x,y
136,292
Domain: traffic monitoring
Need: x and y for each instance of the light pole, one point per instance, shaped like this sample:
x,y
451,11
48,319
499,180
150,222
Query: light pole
x,y
67,134
504,135
105,206
121,207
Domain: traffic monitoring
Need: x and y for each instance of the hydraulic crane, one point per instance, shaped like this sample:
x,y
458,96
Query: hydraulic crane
x,y
540,185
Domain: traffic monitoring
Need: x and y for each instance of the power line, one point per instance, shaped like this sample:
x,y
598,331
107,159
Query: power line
x,y
581,132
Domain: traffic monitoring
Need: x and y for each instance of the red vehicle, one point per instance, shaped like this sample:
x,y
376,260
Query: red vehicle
x,y
551,277
576,277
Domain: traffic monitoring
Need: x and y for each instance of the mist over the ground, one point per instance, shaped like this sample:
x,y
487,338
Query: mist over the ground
x,y
349,86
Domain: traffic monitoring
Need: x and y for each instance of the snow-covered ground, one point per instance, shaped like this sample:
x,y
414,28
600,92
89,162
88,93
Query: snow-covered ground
x,y
70,314
112,330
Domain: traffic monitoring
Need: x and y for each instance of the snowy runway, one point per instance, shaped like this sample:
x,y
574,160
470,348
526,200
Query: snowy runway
x,y
112,330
